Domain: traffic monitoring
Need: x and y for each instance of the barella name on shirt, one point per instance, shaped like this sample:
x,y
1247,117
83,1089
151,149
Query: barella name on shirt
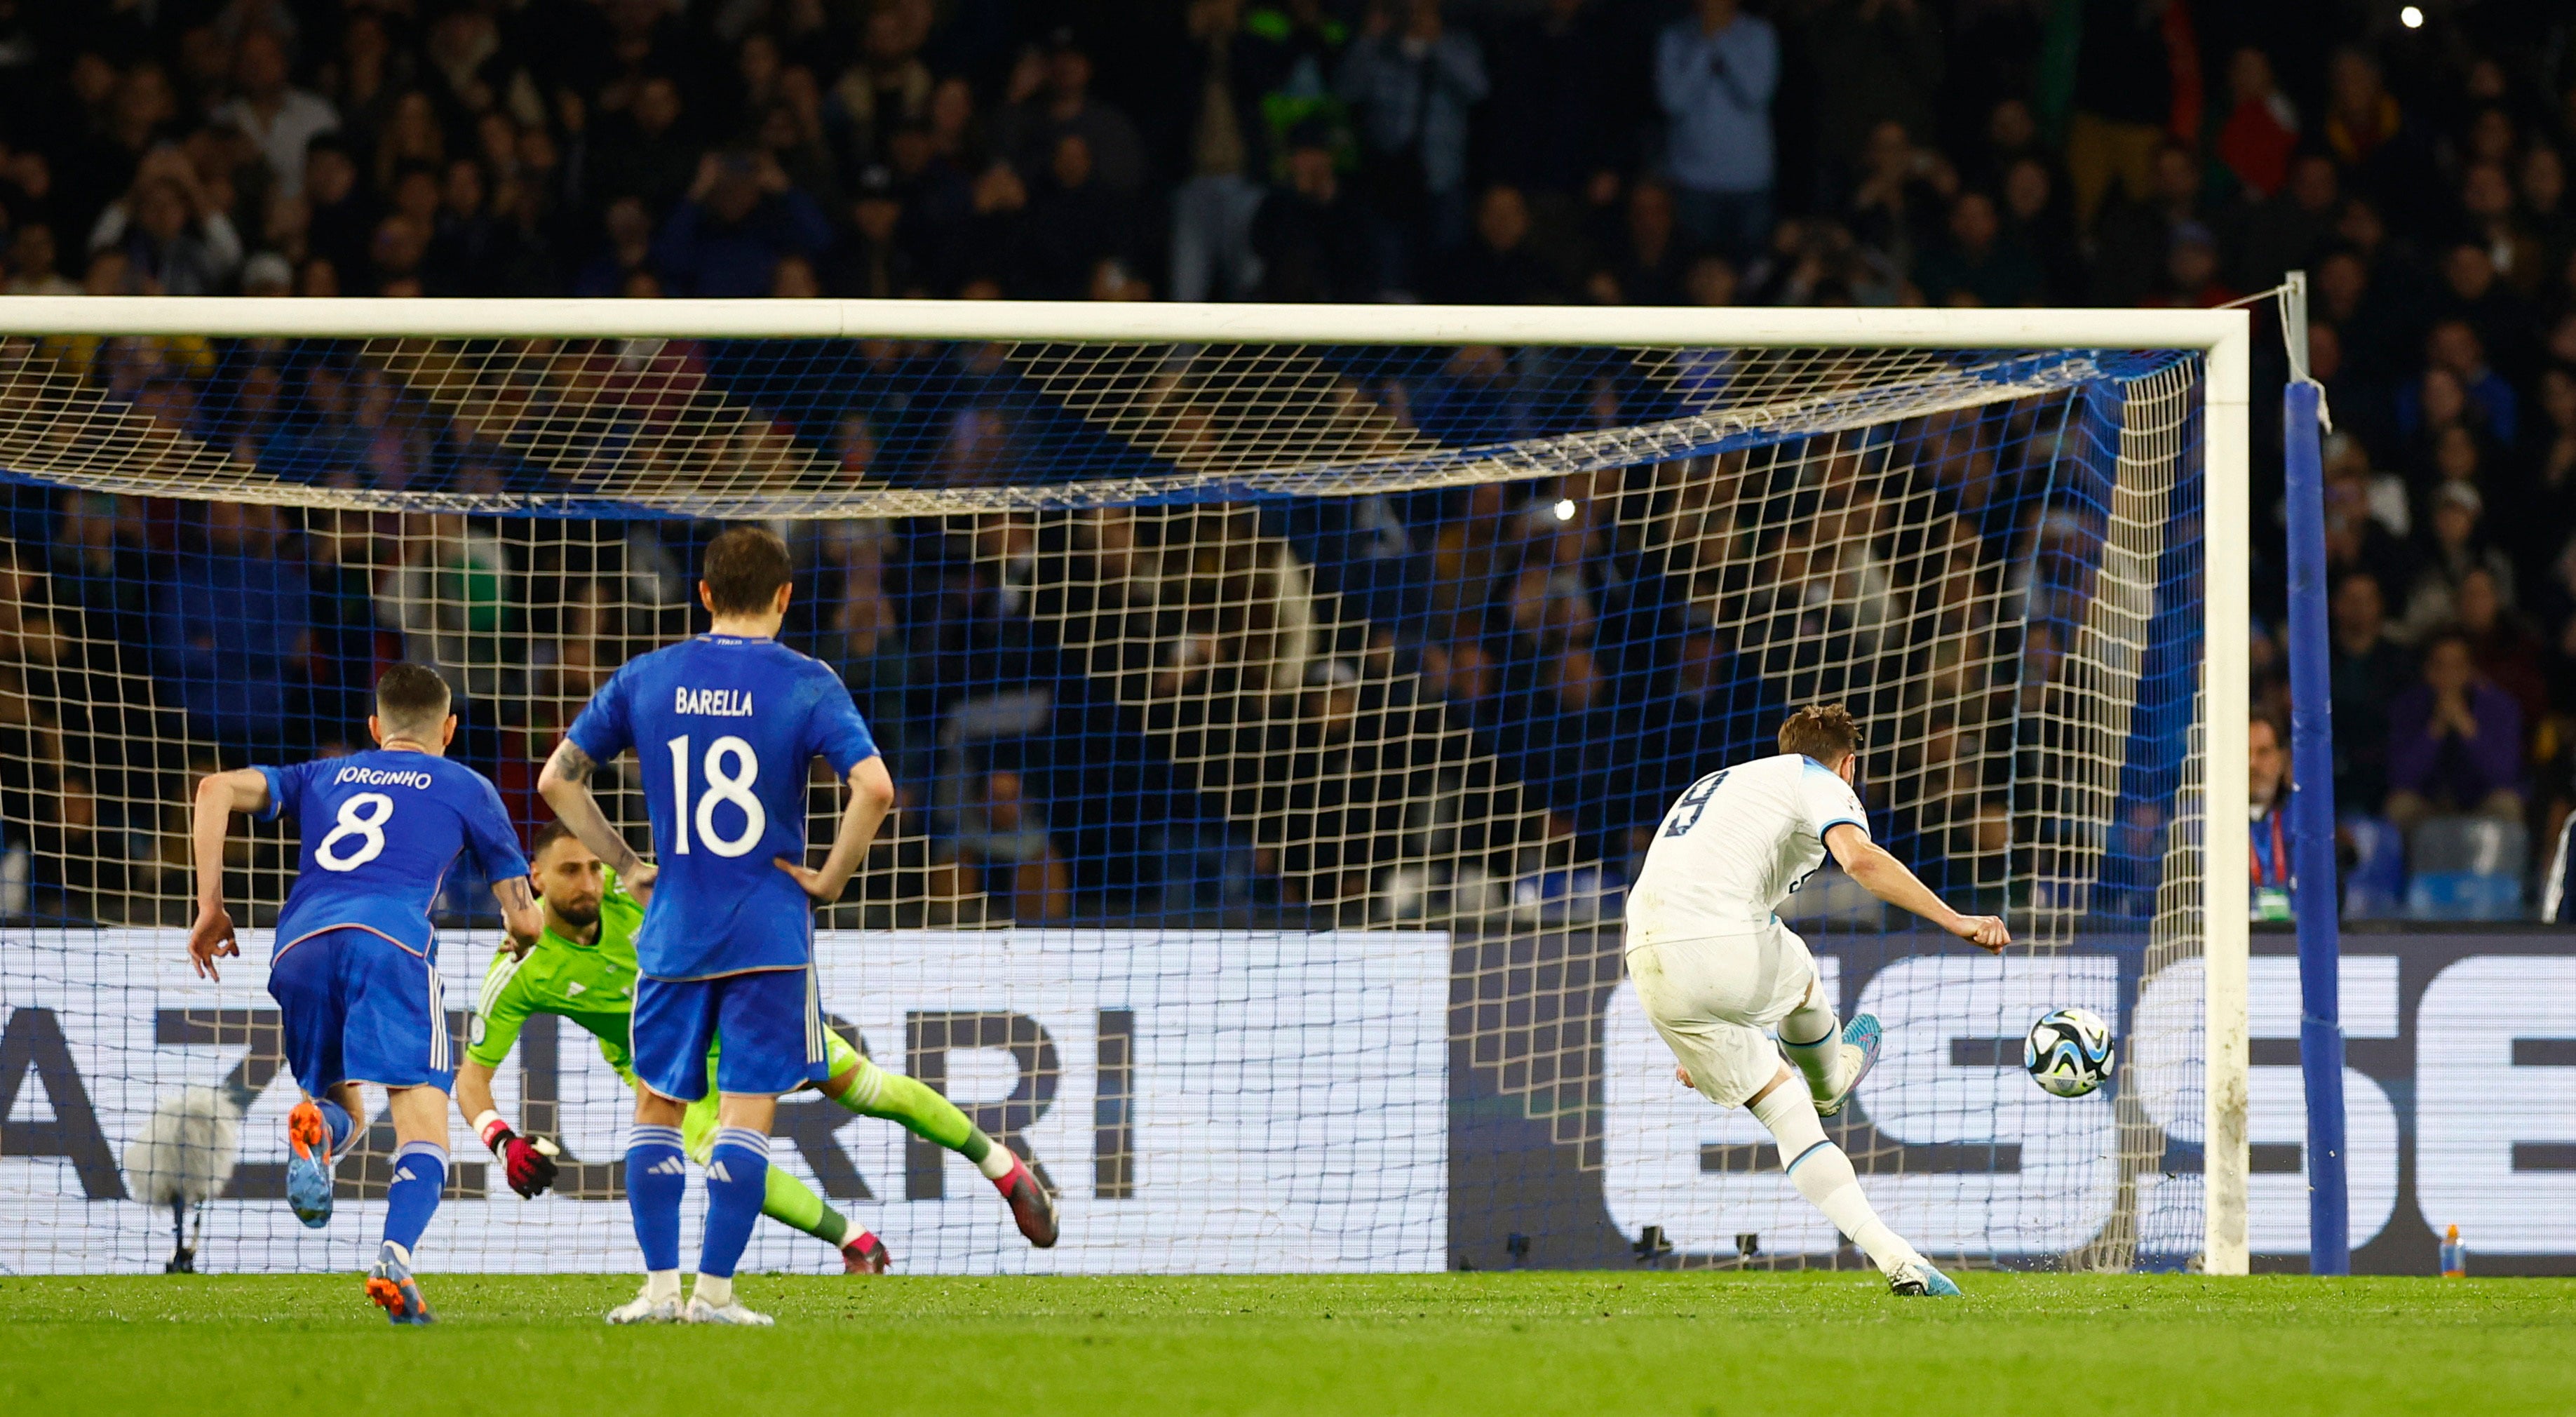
x,y
714,703
379,777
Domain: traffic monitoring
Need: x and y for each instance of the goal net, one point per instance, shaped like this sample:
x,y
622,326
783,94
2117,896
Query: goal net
x,y
1279,700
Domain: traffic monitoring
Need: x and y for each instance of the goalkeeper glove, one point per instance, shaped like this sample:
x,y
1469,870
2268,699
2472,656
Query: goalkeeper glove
x,y
528,1166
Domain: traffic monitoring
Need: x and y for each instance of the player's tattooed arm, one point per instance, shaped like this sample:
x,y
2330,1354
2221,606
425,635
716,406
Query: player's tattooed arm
x,y
565,784
219,795
519,912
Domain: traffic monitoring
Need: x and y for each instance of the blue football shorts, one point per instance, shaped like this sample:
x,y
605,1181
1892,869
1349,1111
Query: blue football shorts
x,y
770,1020
360,1008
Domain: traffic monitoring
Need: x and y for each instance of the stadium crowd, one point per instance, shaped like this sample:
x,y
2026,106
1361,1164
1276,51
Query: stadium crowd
x,y
1981,152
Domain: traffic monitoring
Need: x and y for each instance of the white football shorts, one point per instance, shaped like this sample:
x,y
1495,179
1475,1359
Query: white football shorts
x,y
1715,999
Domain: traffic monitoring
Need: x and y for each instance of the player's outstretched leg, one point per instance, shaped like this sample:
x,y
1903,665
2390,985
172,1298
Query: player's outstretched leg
x,y
317,1130
791,1202
737,1182
861,1086
656,1180
1824,1175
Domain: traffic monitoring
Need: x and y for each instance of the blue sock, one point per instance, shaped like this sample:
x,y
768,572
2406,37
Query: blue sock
x,y
657,1176
337,1118
737,1181
420,1173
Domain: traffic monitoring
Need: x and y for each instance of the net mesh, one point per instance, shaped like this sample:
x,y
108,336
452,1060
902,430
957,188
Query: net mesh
x,y
1275,727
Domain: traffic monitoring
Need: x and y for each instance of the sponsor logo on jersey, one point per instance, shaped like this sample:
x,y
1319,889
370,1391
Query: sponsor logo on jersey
x,y
378,777
713,703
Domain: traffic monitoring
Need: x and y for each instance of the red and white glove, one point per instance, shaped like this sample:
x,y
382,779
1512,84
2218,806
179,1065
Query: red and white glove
x,y
530,1165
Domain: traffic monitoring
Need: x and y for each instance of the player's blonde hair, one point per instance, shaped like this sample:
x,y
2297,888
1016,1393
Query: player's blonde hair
x,y
1824,732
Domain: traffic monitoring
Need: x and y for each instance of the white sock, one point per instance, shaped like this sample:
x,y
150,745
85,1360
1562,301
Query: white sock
x,y
1820,1059
997,1162
713,1292
1824,1175
662,1286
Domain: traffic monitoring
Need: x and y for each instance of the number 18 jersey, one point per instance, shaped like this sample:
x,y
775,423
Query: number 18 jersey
x,y
1735,846
381,829
723,728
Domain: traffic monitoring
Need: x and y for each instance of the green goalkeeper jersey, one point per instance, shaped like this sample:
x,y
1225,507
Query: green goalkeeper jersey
x,y
593,985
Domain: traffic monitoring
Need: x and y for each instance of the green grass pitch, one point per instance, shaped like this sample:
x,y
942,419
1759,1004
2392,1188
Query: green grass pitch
x,y
1493,1345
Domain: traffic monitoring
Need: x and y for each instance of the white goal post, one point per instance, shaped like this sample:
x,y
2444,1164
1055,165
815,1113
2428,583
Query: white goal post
x,y
2219,338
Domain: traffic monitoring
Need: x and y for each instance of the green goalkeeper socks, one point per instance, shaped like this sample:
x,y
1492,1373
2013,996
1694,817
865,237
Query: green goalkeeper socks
x,y
792,1203
874,1092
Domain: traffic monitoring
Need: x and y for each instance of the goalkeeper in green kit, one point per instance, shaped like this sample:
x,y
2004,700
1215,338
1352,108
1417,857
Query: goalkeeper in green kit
x,y
583,968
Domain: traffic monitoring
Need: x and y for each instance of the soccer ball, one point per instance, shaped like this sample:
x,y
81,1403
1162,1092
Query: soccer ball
x,y
2068,1052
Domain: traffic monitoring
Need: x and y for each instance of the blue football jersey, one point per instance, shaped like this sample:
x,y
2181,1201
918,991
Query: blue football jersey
x,y
725,729
381,830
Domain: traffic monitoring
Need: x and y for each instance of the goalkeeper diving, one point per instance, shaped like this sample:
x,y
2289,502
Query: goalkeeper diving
x,y
1717,971
583,967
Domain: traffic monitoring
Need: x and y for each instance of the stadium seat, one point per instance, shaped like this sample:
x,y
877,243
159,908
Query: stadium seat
x,y
2467,868
2375,889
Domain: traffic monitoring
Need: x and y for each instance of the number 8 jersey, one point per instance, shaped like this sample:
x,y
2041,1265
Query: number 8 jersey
x,y
723,728
381,831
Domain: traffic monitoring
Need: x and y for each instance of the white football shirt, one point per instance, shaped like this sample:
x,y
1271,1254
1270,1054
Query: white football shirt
x,y
1735,846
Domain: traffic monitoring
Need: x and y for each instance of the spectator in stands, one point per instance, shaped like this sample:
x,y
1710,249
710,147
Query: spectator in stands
x,y
2371,135
2455,742
2368,671
1051,98
1980,264
1885,61
2455,548
1311,234
2036,214
2267,763
175,241
1003,836
1903,192
31,263
2261,129
280,119
2137,238
725,239
230,630
872,262
1081,220
1647,264
1497,266
1411,87
1716,70
644,152
886,89
338,215
2287,230
1576,101
2508,654
2191,272
2454,347
2135,85
1227,155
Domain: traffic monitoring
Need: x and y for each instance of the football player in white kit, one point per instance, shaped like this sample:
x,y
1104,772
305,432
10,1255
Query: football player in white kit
x,y
1718,972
